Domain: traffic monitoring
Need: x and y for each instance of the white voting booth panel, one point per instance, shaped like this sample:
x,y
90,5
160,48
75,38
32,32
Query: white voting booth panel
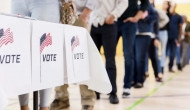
x,y
47,55
76,54
15,55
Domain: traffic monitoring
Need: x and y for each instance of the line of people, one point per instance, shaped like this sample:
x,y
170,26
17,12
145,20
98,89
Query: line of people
x,y
141,26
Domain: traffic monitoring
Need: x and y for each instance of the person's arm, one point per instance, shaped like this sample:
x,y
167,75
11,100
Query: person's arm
x,y
90,5
152,15
144,6
85,14
187,30
122,5
180,28
163,18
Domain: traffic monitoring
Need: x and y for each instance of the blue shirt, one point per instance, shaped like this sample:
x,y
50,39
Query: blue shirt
x,y
175,21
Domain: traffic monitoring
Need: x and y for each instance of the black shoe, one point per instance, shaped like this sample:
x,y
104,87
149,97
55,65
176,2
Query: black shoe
x,y
132,84
87,107
159,79
138,85
97,95
179,67
125,94
113,99
171,71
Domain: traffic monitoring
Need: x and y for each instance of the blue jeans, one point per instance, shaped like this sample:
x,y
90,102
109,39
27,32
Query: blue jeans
x,y
163,37
106,35
128,32
142,43
45,10
171,50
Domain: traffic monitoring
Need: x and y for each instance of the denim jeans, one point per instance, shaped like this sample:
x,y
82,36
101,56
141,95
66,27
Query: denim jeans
x,y
106,36
45,10
128,32
163,37
153,55
142,43
171,50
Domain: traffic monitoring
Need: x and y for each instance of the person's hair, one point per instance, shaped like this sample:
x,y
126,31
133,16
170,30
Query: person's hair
x,y
153,3
169,6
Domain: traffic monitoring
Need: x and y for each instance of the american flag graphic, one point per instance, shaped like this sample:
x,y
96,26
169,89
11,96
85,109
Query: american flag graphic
x,y
74,42
6,37
45,41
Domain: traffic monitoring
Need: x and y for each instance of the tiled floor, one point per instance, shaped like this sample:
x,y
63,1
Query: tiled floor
x,y
174,94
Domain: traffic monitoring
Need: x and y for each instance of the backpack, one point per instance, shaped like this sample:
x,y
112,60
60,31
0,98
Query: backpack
x,y
68,12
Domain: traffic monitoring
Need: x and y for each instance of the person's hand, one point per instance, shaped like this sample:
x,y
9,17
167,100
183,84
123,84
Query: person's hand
x,y
156,42
84,18
85,14
178,43
145,14
188,33
110,19
131,19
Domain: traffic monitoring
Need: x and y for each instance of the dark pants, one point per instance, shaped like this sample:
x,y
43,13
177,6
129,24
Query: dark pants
x,y
128,32
106,35
184,53
153,55
141,49
171,47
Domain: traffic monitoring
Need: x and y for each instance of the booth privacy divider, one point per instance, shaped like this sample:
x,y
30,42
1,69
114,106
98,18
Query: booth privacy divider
x,y
36,55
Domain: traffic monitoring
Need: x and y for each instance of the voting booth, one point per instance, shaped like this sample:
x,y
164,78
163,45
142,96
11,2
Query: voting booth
x,y
15,55
47,55
36,55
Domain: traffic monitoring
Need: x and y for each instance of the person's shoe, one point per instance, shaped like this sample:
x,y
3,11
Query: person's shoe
x,y
87,107
138,85
113,99
159,79
97,95
171,71
132,84
126,93
179,67
59,105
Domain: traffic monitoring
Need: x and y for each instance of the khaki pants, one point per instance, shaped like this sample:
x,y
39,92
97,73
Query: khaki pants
x,y
88,97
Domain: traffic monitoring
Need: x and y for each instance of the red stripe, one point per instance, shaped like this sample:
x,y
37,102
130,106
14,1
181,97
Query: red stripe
x,y
47,42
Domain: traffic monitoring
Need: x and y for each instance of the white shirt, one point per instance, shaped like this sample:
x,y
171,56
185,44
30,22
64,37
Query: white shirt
x,y
183,29
108,7
91,4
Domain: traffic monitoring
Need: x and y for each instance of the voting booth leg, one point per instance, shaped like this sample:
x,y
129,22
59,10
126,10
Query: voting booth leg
x,y
35,100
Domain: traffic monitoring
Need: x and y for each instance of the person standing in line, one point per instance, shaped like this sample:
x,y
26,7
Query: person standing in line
x,y
45,10
88,97
185,43
174,34
127,28
164,17
104,32
153,48
142,43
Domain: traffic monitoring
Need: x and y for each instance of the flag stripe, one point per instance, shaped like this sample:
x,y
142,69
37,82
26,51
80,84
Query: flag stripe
x,y
46,42
6,38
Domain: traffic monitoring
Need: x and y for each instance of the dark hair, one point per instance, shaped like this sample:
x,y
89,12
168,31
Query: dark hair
x,y
169,6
